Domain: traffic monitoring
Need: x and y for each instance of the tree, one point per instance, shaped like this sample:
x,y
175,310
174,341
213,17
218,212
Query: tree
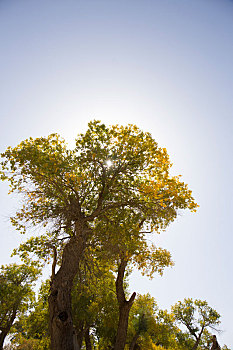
x,y
70,191
31,329
94,307
142,319
197,316
16,294
151,327
126,245
148,259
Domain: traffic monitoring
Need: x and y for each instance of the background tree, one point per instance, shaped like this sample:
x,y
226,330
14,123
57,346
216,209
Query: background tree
x,y
149,260
142,319
126,245
197,316
151,327
16,294
32,329
69,191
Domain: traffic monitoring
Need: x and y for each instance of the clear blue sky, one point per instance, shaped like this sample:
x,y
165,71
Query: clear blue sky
x,y
165,65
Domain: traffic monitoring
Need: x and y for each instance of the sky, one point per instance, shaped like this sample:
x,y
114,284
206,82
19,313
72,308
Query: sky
x,y
164,65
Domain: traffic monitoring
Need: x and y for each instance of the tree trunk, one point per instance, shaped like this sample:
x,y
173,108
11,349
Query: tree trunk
x,y
76,343
60,309
88,339
2,338
215,345
124,308
133,343
80,335
196,345
6,329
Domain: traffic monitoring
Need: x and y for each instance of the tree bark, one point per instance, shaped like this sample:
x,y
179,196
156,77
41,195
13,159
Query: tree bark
x,y
88,339
215,345
60,309
80,335
2,338
124,308
6,330
133,343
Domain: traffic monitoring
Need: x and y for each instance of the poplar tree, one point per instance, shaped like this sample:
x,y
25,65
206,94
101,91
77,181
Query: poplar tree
x,y
67,192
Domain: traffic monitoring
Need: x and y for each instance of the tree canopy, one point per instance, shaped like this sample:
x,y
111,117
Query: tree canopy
x,y
110,168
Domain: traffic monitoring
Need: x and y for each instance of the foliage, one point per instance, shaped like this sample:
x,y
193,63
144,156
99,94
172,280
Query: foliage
x,y
95,306
16,294
114,184
31,330
94,303
151,325
197,316
110,171
125,239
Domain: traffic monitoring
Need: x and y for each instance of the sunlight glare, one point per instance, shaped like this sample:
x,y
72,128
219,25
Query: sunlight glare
x,y
108,163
